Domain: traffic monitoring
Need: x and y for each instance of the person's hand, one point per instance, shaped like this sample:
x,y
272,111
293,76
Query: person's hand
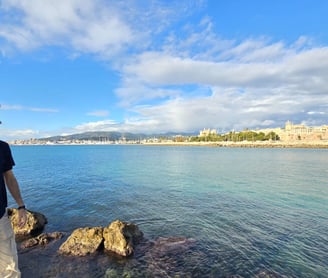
x,y
22,218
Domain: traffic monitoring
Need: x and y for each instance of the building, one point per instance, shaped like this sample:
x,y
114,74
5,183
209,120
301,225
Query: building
x,y
297,132
293,132
207,132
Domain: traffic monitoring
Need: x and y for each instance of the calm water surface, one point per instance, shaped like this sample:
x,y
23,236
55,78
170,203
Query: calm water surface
x,y
247,210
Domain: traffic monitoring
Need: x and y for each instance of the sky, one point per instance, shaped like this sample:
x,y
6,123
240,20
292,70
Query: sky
x,y
156,66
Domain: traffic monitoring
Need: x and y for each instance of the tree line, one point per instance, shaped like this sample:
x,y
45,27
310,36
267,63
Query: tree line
x,y
232,136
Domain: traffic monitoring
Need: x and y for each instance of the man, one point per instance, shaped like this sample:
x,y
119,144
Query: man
x,y
8,252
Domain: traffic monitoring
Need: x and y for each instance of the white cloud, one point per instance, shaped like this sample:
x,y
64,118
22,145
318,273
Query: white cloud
x,y
91,27
251,83
316,113
161,68
266,91
10,134
99,113
105,28
33,109
107,125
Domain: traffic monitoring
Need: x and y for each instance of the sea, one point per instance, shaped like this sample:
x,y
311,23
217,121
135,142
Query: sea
x,y
233,212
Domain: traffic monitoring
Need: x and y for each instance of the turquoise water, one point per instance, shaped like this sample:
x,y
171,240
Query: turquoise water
x,y
247,210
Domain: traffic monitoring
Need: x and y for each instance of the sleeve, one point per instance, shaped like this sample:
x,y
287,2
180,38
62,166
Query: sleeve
x,y
8,161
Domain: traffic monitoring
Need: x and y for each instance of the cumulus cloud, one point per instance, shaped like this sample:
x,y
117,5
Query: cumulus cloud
x,y
162,69
106,125
99,113
242,93
179,79
253,83
104,28
89,28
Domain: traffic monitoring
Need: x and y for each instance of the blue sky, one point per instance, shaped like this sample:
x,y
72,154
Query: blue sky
x,y
69,66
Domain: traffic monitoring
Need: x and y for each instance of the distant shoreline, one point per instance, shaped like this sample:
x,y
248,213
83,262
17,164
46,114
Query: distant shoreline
x,y
243,144
276,144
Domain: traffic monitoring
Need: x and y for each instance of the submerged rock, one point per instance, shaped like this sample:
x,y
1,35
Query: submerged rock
x,y
164,245
114,273
165,255
35,223
269,274
120,237
83,241
42,239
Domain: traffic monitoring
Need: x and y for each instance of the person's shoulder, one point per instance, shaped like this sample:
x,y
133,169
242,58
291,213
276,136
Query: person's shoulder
x,y
3,144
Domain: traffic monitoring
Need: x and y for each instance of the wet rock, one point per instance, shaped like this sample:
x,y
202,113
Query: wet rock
x,y
114,273
164,245
120,237
42,239
35,223
269,274
83,241
165,255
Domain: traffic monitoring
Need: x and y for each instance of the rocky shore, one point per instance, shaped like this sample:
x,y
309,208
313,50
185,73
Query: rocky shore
x,y
89,251
119,237
118,250
250,144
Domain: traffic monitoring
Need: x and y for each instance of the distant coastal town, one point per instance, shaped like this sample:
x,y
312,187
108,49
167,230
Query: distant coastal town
x,y
292,135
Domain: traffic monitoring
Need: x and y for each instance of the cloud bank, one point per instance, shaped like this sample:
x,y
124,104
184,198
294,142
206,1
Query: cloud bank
x,y
176,75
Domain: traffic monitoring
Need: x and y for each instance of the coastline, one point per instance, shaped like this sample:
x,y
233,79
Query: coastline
x,y
229,144
248,144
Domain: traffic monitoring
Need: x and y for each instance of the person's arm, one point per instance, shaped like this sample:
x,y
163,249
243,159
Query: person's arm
x,y
13,187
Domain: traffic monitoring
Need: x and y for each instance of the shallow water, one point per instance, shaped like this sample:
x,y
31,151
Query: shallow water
x,y
247,210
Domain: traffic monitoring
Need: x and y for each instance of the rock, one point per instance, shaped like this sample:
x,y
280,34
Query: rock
x,y
83,241
114,273
29,243
164,245
269,274
165,256
42,239
120,237
35,222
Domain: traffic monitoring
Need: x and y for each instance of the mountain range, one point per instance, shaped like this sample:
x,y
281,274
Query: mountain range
x,y
112,136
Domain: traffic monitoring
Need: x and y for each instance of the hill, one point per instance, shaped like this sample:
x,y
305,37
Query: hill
x,y
112,136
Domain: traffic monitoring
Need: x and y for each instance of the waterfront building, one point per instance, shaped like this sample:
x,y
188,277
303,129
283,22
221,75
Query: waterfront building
x,y
299,132
302,132
207,132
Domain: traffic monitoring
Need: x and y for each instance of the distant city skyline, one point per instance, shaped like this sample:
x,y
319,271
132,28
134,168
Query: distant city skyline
x,y
161,66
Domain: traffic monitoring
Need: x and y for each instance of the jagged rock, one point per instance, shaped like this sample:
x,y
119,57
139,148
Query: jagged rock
x,y
120,237
83,241
42,239
35,222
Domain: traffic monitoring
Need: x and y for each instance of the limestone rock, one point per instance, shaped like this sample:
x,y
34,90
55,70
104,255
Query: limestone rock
x,y
120,237
83,241
42,239
34,224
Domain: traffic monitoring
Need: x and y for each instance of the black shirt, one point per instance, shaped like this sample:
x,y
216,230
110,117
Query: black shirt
x,y
6,164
